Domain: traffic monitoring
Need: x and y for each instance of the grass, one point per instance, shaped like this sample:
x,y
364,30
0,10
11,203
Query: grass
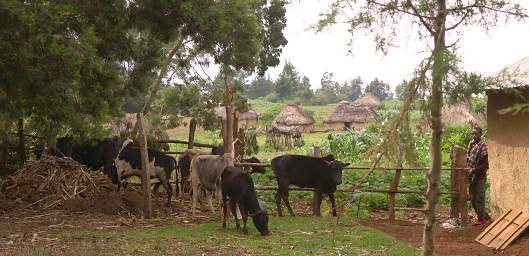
x,y
289,236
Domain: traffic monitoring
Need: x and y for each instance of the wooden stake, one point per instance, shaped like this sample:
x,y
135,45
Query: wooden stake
x,y
192,128
145,181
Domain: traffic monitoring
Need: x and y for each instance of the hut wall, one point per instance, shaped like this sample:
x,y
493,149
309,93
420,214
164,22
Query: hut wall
x,y
247,123
335,126
306,128
359,126
508,145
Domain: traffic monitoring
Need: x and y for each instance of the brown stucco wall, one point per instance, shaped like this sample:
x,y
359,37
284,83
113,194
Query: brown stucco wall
x,y
508,144
336,126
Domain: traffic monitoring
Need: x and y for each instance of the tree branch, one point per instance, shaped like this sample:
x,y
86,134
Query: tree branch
x,y
423,21
490,8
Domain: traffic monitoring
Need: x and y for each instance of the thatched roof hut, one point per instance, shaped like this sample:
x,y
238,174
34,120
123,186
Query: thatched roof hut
x,y
508,144
247,119
292,118
349,115
461,114
368,99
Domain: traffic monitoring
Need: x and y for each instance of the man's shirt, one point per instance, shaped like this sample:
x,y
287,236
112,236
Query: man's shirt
x,y
477,153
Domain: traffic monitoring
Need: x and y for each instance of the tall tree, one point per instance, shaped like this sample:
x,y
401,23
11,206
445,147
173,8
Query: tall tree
x,y
431,20
350,91
249,36
380,89
259,87
288,82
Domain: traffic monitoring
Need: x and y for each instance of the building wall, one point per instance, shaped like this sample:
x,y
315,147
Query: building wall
x,y
336,126
247,123
508,144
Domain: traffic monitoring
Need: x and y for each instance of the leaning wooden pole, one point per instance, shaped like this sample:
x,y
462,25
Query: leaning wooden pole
x,y
145,180
394,186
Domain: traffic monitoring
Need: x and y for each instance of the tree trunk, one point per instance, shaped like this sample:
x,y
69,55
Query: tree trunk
x,y
438,74
158,82
228,103
145,179
21,143
192,128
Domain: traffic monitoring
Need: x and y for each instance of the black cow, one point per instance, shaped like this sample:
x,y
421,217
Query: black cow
x,y
100,154
237,186
94,156
253,169
320,173
128,164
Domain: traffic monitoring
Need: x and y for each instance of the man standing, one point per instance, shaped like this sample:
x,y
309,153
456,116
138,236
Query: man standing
x,y
478,164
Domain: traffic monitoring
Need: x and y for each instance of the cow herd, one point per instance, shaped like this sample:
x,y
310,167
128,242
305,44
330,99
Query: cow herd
x,y
211,174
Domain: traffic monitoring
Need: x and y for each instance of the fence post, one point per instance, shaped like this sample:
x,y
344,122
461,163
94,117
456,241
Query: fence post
x,y
454,184
460,162
145,181
394,185
192,128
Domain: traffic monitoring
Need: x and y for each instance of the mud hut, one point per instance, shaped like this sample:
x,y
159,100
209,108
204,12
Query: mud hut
x,y
508,145
246,120
293,119
349,115
368,100
461,114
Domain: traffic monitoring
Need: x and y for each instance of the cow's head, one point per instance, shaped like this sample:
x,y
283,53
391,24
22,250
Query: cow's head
x,y
336,167
255,160
260,220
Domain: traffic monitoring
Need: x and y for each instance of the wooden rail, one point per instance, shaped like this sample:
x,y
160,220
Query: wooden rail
x,y
187,143
358,167
350,190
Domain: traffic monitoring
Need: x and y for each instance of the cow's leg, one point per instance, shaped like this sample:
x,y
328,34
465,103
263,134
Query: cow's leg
x,y
244,214
333,204
285,198
195,192
164,181
316,204
224,209
233,208
209,195
278,203
156,187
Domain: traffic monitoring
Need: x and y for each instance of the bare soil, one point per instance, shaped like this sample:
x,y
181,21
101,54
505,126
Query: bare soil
x,y
454,243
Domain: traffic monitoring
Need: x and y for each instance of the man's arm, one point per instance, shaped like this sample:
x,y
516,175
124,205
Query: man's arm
x,y
481,167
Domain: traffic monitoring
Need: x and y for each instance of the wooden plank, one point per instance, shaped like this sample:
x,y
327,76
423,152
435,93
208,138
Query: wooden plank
x,y
491,226
504,230
516,234
490,241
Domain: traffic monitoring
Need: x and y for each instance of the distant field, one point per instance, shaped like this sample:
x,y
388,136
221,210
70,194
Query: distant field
x,y
267,111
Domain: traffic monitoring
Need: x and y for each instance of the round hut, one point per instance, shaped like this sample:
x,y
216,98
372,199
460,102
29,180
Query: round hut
x,y
293,119
246,120
368,99
461,114
348,115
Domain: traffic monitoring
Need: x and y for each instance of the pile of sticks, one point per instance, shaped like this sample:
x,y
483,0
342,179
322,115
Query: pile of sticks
x,y
48,182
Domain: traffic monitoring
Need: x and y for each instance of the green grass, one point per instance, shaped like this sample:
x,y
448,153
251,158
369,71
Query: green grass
x,y
289,236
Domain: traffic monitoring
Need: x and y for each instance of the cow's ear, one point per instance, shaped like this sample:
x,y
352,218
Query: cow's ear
x,y
346,164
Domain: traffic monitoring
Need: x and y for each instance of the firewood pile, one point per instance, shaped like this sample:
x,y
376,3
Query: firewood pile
x,y
48,182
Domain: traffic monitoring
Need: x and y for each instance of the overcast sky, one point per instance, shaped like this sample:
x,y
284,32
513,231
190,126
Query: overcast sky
x,y
315,53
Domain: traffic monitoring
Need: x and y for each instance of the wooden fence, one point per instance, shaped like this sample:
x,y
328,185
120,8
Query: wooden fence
x,y
458,193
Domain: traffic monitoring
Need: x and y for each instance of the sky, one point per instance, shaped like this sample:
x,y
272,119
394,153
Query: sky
x,y
315,53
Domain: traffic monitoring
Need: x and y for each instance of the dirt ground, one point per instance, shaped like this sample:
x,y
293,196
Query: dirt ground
x,y
454,243
22,228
